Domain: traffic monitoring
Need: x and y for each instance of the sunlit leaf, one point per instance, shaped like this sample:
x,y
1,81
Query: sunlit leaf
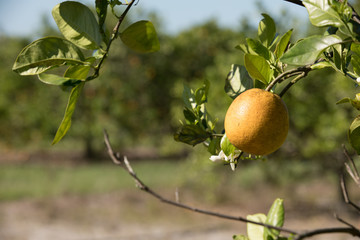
x,y
141,37
77,72
240,237
321,65
354,134
275,218
309,49
258,68
322,14
70,108
256,48
226,146
254,231
53,79
202,93
238,81
242,47
46,53
283,44
266,30
78,24
354,102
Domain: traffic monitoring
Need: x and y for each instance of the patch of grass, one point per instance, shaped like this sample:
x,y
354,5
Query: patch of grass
x,y
41,180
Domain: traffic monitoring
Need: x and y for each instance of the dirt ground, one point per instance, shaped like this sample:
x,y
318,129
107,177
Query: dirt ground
x,y
134,215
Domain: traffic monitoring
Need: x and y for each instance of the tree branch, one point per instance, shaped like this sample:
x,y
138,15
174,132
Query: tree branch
x,y
348,230
346,194
124,163
303,70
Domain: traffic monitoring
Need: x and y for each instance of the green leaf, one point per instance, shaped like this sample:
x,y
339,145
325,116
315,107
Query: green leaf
x,y
189,115
354,134
70,108
78,24
254,231
321,65
275,217
243,48
354,102
45,53
141,37
355,63
101,11
77,72
214,146
266,30
309,49
256,48
238,80
191,134
226,146
283,44
355,48
189,97
258,68
202,93
53,79
240,237
322,14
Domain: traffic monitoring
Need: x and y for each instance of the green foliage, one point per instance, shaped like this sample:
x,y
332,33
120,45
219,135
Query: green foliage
x,y
80,29
274,218
238,81
78,24
46,53
272,60
258,68
307,51
141,37
70,108
198,126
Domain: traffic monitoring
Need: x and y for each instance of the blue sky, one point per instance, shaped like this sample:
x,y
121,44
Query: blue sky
x,y
23,17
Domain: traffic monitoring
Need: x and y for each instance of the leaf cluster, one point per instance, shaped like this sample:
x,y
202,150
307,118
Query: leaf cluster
x,y
82,51
275,217
271,59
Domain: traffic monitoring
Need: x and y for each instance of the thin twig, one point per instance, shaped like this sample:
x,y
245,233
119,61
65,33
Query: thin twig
x,y
113,37
292,72
141,185
351,167
346,194
292,82
349,230
344,222
117,158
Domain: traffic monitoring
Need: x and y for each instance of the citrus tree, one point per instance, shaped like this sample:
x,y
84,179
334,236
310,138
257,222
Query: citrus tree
x,y
257,121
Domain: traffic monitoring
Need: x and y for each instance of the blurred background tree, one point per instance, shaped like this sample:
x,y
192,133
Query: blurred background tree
x,y
138,97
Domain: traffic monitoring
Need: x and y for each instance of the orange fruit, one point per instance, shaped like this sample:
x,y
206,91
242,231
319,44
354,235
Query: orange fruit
x,y
257,122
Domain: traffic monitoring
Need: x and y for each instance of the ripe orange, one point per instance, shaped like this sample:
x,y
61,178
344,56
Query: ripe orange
x,y
257,122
